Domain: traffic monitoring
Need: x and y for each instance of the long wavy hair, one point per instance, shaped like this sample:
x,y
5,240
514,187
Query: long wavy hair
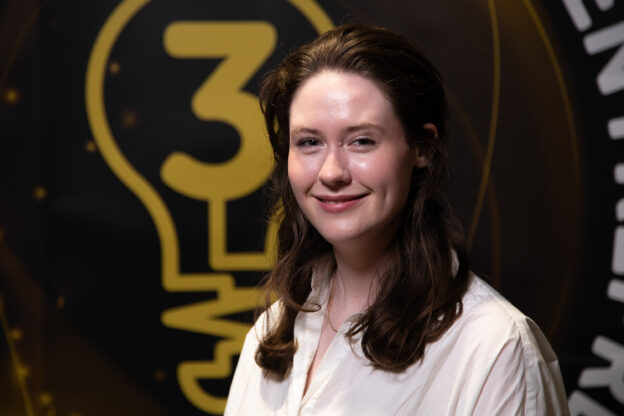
x,y
419,294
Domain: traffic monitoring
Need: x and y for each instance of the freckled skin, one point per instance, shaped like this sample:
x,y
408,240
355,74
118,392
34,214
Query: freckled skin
x,y
349,163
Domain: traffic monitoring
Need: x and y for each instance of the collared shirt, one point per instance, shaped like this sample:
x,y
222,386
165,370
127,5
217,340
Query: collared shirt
x,y
492,361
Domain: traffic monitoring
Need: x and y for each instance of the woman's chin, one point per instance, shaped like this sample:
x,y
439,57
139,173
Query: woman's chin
x,y
350,240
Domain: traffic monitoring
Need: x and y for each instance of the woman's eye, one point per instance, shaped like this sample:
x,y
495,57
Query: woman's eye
x,y
363,142
308,142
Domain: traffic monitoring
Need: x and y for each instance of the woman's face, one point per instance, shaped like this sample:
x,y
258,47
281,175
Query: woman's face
x,y
349,164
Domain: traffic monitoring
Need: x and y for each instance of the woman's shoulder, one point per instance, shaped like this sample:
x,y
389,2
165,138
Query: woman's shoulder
x,y
513,348
257,331
483,304
487,313
264,322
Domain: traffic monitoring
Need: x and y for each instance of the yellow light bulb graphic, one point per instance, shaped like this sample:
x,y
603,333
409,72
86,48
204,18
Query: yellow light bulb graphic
x,y
242,47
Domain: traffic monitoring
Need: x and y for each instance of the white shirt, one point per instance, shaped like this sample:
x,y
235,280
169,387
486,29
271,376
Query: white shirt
x,y
492,361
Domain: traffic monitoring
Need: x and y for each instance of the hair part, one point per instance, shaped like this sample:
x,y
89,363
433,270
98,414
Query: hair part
x,y
419,294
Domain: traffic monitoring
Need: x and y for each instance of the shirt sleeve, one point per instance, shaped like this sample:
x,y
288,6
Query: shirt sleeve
x,y
525,378
247,368
244,368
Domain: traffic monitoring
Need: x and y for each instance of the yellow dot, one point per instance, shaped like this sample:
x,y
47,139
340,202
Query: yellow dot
x,y
40,193
11,96
22,371
160,375
90,146
17,334
60,302
45,399
129,119
114,67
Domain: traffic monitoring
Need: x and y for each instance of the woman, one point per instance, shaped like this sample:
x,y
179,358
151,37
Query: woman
x,y
377,312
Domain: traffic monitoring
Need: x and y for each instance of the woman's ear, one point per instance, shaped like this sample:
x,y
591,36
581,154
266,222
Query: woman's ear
x,y
422,158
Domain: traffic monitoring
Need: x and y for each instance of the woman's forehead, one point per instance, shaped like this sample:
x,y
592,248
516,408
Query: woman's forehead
x,y
339,96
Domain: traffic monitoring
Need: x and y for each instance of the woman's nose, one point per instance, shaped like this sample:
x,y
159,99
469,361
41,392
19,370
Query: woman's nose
x,y
334,170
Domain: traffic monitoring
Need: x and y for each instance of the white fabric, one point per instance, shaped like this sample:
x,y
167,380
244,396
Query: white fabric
x,y
492,361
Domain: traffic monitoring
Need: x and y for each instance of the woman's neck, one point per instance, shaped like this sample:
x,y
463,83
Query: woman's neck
x,y
354,284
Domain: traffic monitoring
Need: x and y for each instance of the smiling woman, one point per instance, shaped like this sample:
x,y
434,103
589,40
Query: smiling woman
x,y
377,311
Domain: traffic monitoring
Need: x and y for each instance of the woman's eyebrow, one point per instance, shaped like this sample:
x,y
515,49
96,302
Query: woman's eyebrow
x,y
305,130
365,126
350,129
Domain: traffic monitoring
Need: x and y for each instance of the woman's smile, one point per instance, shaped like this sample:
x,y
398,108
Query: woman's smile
x,y
338,203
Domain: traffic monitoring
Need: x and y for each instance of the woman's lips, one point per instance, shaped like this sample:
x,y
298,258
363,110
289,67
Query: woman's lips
x,y
338,203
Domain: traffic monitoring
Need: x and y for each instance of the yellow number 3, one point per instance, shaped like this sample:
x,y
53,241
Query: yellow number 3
x,y
245,46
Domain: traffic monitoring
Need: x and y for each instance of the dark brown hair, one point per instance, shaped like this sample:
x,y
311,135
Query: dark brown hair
x,y
419,295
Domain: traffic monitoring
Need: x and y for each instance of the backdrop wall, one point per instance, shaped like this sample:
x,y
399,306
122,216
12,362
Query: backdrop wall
x,y
133,160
